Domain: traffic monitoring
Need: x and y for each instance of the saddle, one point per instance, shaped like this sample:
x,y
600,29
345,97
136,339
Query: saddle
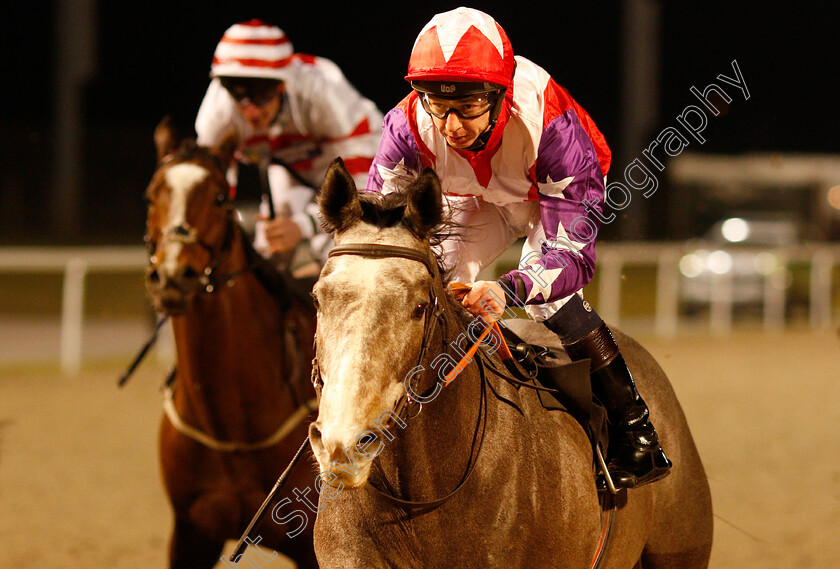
x,y
568,382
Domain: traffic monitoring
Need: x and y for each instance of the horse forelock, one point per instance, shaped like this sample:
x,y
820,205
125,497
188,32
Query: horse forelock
x,y
391,210
384,220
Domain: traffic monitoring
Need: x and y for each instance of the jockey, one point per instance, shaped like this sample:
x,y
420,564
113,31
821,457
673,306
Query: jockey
x,y
517,156
292,115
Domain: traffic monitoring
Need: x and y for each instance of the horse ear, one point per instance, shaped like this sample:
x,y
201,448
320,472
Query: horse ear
x,y
166,138
338,199
424,210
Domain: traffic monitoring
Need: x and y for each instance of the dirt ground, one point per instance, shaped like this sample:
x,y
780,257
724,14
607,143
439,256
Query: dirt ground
x,y
80,488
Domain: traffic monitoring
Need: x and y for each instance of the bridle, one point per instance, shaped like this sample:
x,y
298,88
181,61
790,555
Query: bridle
x,y
433,316
433,312
187,235
208,277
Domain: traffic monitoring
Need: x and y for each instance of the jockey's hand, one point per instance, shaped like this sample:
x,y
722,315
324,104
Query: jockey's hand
x,y
485,299
281,233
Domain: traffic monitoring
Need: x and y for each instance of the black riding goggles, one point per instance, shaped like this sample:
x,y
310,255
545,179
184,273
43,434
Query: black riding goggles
x,y
251,91
468,107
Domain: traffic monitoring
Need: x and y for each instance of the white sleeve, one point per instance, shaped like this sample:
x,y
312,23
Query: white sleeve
x,y
347,124
298,202
216,116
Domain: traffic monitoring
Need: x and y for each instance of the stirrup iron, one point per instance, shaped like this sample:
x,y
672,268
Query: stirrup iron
x,y
603,464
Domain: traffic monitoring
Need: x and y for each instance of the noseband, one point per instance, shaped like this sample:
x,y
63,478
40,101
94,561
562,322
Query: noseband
x,y
187,235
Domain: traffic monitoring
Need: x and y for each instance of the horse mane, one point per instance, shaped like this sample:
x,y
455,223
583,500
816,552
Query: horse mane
x,y
416,205
390,210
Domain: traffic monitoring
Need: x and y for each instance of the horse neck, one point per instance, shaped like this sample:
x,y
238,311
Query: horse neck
x,y
433,451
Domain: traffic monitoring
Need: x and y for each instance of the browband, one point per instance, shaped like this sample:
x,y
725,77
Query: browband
x,y
383,251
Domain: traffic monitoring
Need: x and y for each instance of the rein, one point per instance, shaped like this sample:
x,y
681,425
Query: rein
x,y
434,317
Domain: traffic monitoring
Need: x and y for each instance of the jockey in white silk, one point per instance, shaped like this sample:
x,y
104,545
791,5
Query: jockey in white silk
x,y
319,117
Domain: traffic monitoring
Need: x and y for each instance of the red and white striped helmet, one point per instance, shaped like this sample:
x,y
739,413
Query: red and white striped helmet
x,y
252,49
462,45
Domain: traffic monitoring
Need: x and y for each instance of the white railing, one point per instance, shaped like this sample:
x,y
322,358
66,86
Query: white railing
x,y
612,258
76,263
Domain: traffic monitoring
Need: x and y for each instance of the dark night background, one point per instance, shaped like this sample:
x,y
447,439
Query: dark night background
x,y
152,59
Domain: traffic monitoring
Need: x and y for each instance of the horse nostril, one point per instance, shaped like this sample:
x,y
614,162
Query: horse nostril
x,y
314,434
153,276
189,273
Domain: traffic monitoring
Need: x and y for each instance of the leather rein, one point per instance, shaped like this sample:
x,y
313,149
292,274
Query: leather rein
x,y
433,319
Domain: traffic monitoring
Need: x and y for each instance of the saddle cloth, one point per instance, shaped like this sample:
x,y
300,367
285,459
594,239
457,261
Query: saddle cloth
x,y
538,352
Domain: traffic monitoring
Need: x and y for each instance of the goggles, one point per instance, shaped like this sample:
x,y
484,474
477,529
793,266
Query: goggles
x,y
258,95
257,99
468,107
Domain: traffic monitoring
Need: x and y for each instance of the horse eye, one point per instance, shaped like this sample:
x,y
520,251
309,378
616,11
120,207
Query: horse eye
x,y
419,310
315,301
221,198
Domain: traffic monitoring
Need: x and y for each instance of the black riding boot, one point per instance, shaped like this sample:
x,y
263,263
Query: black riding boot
x,y
634,456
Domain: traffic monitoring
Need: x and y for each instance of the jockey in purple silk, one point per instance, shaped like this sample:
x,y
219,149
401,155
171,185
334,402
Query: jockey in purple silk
x,y
517,156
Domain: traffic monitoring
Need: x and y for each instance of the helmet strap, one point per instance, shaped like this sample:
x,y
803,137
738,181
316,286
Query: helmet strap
x,y
280,108
481,141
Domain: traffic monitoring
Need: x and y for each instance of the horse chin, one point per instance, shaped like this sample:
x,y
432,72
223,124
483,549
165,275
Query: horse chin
x,y
171,301
346,478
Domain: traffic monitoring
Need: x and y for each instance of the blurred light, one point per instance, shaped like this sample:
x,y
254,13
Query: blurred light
x,y
766,263
692,265
719,262
735,229
834,197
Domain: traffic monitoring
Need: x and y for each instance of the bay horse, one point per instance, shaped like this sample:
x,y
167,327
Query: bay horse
x,y
422,470
241,400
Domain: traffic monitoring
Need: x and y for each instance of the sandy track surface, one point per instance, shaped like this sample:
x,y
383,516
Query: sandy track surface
x,y
80,487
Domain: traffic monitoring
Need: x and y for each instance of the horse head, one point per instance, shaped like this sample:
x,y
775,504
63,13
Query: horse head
x,y
190,218
377,300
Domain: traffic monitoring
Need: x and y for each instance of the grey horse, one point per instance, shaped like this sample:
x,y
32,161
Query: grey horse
x,y
418,469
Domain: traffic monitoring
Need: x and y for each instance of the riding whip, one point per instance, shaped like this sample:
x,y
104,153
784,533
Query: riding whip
x,y
241,544
266,187
143,351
